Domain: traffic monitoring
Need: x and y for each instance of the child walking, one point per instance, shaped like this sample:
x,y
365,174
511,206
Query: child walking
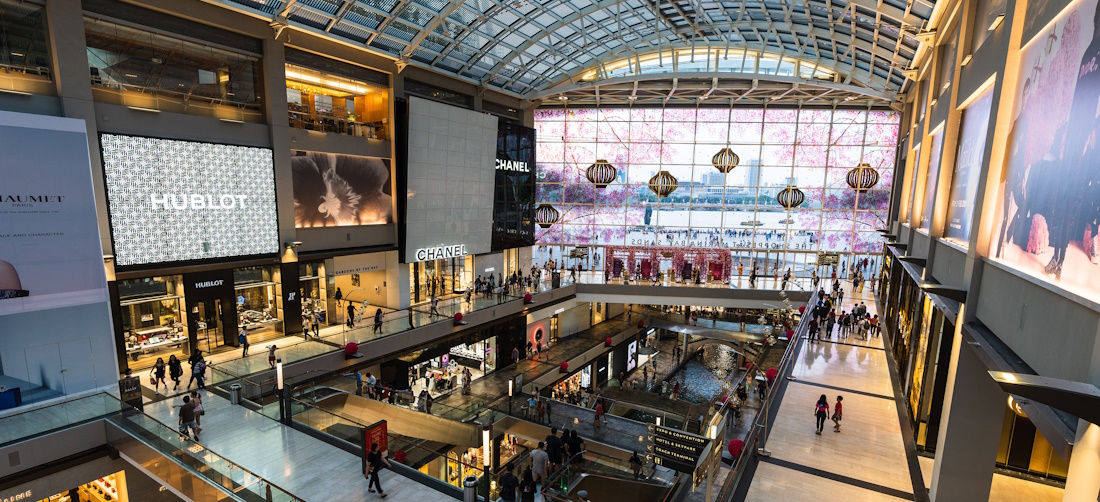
x,y
837,414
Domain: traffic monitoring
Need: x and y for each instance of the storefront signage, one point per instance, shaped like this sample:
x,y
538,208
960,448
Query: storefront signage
x,y
512,165
209,284
440,252
197,201
357,264
377,433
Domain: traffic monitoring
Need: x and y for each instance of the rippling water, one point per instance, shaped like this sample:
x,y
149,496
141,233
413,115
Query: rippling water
x,y
701,378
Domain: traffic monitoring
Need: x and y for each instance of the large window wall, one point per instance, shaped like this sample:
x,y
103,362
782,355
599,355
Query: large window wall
x,y
811,148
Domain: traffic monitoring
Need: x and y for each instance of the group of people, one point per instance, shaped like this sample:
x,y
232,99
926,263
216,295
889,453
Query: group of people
x,y
824,319
173,369
551,455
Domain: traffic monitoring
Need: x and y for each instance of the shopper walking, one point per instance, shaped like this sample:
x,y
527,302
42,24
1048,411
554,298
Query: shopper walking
x,y
540,464
378,321
528,487
199,411
375,462
196,356
175,370
351,315
554,449
434,311
187,419
874,326
242,339
198,373
316,325
837,415
821,411
509,485
636,465
813,329
157,372
271,355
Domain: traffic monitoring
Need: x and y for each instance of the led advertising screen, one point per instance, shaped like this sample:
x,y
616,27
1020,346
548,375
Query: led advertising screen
x,y
332,190
173,201
968,166
514,193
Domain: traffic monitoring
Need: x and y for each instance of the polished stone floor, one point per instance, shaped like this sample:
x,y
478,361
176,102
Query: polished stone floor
x,y
867,459
300,464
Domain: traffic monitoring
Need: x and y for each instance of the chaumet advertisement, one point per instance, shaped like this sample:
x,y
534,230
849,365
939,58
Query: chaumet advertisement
x,y
50,254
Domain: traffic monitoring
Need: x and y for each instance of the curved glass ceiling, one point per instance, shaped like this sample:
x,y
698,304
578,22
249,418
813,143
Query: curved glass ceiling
x,y
526,47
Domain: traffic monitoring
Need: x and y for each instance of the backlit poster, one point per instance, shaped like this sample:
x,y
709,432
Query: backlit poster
x,y
968,166
332,190
1049,195
933,177
514,190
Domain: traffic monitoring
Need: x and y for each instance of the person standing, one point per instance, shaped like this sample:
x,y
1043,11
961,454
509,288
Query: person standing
x,y
554,449
813,329
375,462
187,419
837,415
157,372
175,370
821,411
528,486
316,325
515,355
636,465
271,355
243,340
540,464
509,485
601,417
196,356
411,326
830,322
199,411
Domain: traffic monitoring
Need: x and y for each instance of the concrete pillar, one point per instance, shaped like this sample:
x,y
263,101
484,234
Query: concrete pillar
x,y
275,111
1083,479
973,410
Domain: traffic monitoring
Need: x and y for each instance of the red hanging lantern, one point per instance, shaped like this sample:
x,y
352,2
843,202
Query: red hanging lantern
x,y
735,447
771,374
527,298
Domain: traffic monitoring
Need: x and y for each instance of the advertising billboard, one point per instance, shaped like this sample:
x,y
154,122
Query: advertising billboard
x,y
1048,203
968,166
332,190
173,200
55,325
514,192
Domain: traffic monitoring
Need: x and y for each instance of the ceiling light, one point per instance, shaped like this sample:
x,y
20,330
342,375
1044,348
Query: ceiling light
x,y
131,75
233,121
17,54
966,60
13,91
996,22
143,109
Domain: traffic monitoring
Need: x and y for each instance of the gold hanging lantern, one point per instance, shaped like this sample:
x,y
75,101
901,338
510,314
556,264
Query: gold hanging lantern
x,y
790,197
725,160
862,177
601,173
663,184
546,215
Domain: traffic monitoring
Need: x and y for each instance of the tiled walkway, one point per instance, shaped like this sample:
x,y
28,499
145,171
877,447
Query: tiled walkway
x,y
304,466
867,459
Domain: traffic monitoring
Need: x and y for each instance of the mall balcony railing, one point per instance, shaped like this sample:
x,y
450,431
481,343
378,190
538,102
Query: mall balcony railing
x,y
338,121
759,427
50,418
159,99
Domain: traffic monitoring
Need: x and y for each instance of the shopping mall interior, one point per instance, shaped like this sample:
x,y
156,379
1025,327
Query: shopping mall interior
x,y
549,250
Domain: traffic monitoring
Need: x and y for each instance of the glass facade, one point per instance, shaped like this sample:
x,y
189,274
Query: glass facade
x,y
320,101
811,148
25,58
152,321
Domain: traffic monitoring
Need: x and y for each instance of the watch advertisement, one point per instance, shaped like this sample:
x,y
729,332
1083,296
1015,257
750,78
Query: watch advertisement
x,y
50,253
172,201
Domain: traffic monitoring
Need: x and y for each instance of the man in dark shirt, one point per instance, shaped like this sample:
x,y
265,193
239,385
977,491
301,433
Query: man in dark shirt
x,y
554,448
813,329
509,485
187,417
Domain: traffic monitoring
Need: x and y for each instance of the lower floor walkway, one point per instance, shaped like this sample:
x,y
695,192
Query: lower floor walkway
x,y
872,457
293,460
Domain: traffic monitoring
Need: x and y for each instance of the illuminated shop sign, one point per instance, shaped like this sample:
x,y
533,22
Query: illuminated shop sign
x,y
513,165
440,252
197,201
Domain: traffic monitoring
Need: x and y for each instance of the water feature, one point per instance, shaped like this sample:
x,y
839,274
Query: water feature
x,y
701,377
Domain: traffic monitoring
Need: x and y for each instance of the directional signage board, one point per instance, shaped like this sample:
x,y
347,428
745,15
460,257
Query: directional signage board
x,y
675,449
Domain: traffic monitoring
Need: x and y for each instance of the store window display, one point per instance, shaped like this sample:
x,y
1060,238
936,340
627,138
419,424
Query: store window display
x,y
441,278
110,488
312,284
152,325
258,303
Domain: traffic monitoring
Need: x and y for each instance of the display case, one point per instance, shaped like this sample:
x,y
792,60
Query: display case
x,y
150,311
257,302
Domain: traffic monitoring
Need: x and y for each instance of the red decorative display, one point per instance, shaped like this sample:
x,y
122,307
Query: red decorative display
x,y
458,316
735,447
351,348
564,366
771,374
527,298
607,342
641,324
790,334
399,456
802,309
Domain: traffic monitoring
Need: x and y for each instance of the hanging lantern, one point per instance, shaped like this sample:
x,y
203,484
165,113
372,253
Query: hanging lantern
x,y
862,177
601,173
546,215
790,197
725,160
663,184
